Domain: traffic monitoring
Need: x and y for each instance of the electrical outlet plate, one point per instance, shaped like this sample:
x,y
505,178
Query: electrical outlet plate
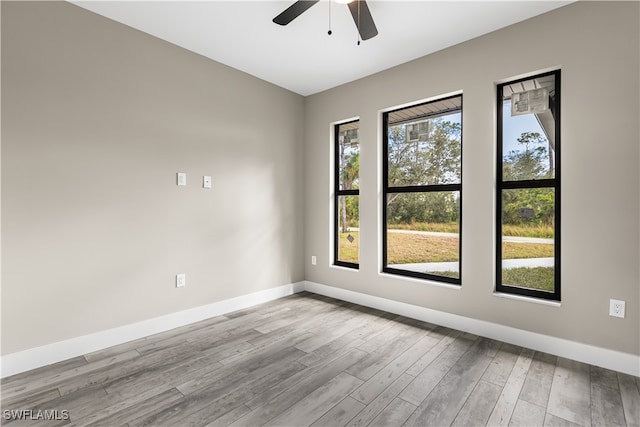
x,y
616,308
313,260
182,178
181,280
206,182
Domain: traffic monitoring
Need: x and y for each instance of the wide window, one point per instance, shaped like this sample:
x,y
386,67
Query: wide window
x,y
422,185
347,195
528,185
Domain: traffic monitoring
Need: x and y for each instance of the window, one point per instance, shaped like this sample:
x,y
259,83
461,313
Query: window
x,y
347,195
422,190
528,187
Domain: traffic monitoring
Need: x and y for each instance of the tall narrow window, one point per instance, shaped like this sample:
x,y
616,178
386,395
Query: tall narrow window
x,y
347,195
528,202
422,173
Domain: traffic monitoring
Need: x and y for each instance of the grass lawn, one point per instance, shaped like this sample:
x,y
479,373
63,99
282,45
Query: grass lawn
x,y
541,231
451,227
453,274
512,250
540,278
415,248
348,251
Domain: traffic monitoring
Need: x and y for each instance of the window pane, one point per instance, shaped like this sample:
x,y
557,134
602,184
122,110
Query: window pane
x,y
348,229
528,140
349,156
423,232
425,151
528,243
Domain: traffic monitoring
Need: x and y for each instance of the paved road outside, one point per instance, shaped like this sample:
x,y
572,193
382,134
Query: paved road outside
x,y
429,267
513,239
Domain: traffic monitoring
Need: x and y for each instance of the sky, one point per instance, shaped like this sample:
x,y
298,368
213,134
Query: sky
x,y
515,126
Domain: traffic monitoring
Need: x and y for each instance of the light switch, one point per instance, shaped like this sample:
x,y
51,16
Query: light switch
x,y
181,280
206,182
182,178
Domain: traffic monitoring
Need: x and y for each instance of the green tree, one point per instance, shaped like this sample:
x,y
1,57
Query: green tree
x,y
430,157
535,206
530,163
539,201
350,171
349,180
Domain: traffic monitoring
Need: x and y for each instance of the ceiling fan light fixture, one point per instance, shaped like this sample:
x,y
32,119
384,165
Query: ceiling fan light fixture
x,y
359,11
343,1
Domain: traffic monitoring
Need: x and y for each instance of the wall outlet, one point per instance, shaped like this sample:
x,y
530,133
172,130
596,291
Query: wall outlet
x,y
181,280
616,308
206,181
313,260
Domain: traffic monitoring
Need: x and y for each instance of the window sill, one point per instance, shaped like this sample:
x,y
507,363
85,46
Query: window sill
x,y
420,281
343,268
528,299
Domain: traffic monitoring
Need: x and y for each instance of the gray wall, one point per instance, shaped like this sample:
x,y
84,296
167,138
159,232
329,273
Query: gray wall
x,y
97,118
596,44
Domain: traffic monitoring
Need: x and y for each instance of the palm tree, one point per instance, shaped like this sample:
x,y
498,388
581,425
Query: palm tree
x,y
349,173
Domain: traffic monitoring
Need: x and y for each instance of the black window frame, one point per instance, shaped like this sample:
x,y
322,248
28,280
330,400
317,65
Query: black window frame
x,y
386,190
553,183
339,193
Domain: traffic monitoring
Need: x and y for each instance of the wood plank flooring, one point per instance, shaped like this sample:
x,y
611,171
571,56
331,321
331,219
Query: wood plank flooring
x,y
310,360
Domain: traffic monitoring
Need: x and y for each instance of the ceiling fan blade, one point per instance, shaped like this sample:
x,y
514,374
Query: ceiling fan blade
x,y
363,19
293,11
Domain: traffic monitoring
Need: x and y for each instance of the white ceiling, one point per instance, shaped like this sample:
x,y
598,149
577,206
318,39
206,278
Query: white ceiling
x,y
301,56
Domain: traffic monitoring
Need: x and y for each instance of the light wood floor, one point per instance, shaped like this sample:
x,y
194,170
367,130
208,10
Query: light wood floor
x,y
312,360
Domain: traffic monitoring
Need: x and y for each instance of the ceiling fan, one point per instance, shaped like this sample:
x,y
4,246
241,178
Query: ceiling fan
x,y
359,10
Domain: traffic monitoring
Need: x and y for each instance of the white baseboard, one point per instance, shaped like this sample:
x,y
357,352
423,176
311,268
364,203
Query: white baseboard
x,y
32,358
56,352
610,359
